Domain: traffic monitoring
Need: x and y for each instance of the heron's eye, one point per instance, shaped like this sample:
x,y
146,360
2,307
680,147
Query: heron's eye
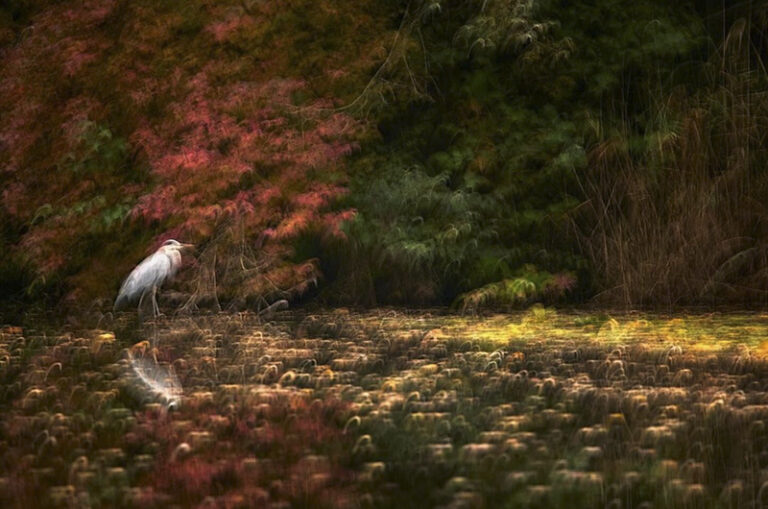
x,y
171,242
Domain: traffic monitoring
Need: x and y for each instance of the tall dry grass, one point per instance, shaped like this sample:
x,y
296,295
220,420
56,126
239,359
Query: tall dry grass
x,y
678,215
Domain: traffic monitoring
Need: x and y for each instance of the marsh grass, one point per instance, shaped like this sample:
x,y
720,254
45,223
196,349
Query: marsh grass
x,y
342,409
675,214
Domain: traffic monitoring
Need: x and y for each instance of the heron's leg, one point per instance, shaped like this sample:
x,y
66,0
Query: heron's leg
x,y
141,314
155,307
158,312
155,312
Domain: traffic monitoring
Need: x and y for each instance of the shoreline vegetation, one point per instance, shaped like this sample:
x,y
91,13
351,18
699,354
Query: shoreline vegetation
x,y
479,155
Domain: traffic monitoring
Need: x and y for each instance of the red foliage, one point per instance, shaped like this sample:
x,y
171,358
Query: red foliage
x,y
222,135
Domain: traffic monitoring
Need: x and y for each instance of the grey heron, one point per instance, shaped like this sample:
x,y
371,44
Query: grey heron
x,y
150,275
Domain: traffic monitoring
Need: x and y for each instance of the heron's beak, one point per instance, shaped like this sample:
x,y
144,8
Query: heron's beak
x,y
188,246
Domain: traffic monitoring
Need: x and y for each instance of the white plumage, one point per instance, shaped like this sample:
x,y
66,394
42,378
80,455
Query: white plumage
x,y
150,275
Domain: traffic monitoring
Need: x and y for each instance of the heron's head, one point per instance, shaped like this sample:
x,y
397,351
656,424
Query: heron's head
x,y
175,245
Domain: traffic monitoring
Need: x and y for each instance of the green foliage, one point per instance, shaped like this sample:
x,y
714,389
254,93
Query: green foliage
x,y
468,188
501,144
98,150
530,284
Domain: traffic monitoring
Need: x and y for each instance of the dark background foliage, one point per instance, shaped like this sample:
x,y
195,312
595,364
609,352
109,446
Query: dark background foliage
x,y
475,153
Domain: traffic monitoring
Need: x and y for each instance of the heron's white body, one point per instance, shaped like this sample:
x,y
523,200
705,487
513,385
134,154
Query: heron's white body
x,y
151,274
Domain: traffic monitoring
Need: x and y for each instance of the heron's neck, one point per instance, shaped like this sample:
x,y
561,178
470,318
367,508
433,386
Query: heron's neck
x,y
175,256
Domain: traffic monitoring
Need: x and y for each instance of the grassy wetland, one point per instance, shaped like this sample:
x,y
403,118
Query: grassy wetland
x,y
342,409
